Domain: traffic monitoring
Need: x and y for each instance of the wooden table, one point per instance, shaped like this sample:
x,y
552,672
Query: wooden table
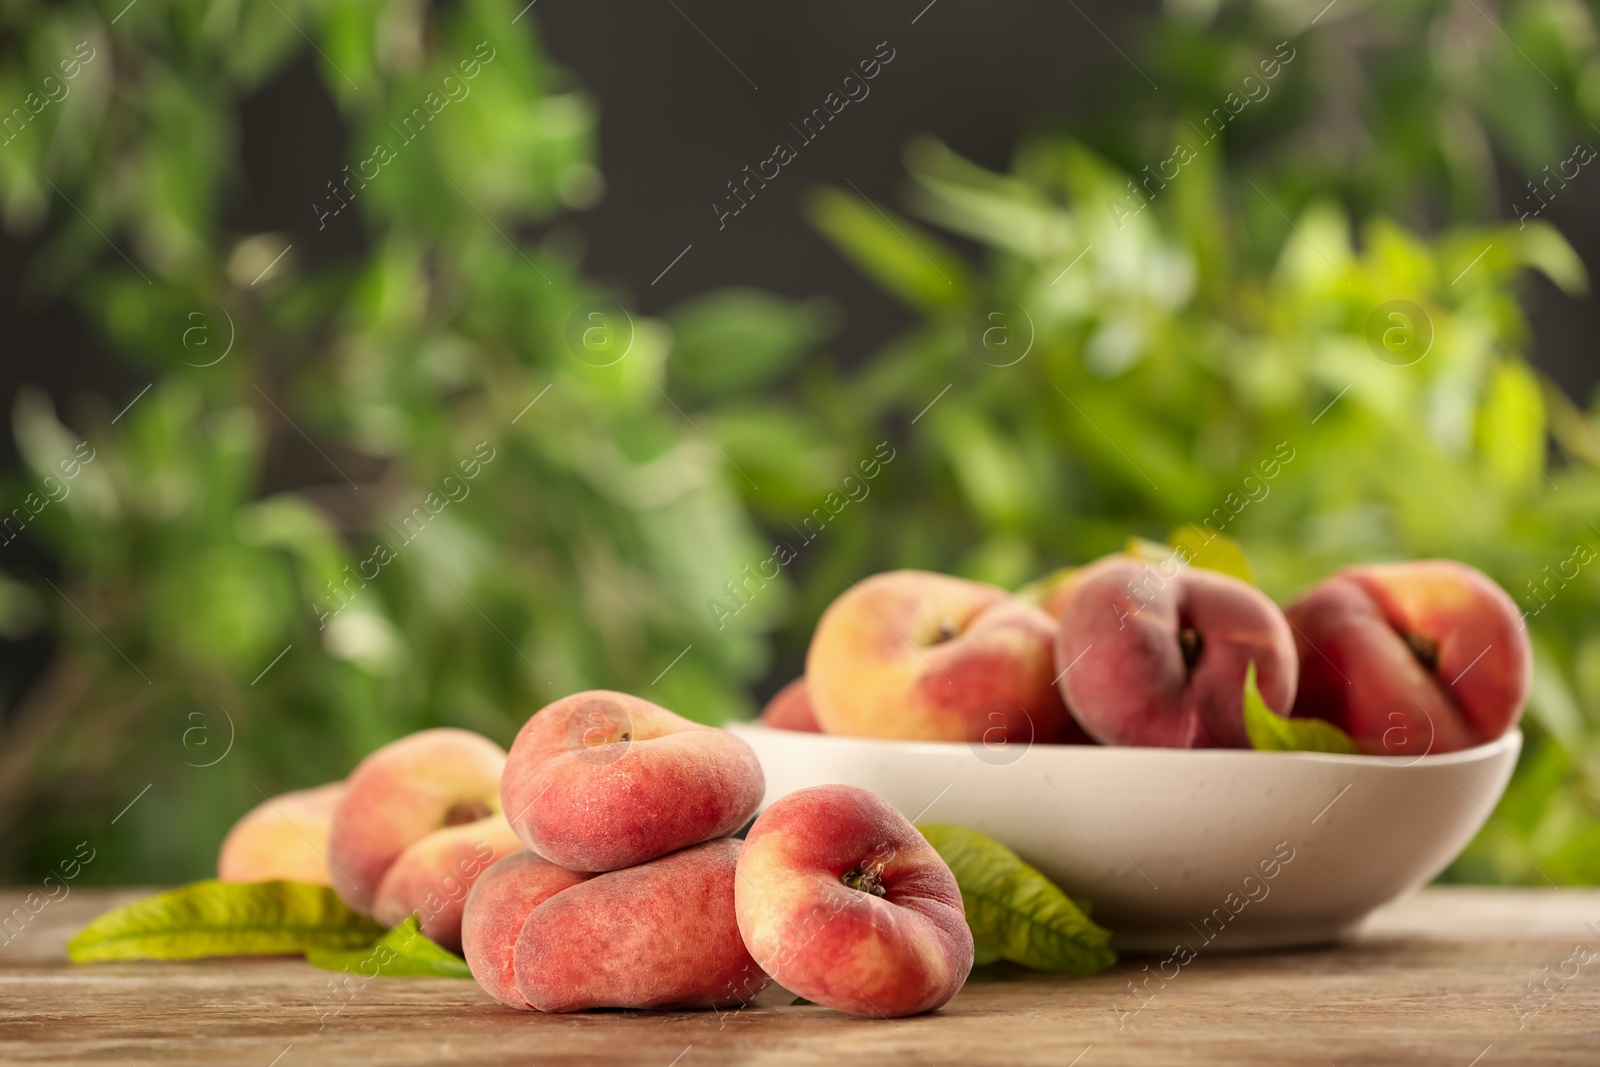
x,y
1440,978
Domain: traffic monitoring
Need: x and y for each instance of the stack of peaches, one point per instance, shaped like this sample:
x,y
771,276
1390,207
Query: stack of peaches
x,y
1143,649
592,867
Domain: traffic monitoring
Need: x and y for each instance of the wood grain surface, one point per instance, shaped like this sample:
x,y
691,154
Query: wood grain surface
x,y
1441,978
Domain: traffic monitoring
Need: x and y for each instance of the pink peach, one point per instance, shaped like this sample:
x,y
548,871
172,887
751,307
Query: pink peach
x,y
660,935
1156,654
1058,589
791,709
842,901
911,654
499,903
403,792
432,877
601,780
1411,658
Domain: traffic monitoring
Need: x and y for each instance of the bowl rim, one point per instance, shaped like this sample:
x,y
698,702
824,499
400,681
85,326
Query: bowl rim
x,y
1511,739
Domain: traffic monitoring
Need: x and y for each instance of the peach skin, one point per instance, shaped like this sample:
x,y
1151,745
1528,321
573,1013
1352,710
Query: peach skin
x,y
500,902
1156,655
601,780
660,935
842,901
916,655
1411,658
285,837
1058,589
791,709
432,877
403,792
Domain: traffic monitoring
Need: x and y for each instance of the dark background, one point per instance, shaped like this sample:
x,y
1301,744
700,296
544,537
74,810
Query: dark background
x,y
678,121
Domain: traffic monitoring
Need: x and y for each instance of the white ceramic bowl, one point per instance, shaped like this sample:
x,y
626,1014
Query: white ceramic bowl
x,y
1220,849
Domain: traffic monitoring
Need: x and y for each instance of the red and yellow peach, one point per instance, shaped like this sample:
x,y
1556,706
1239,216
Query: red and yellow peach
x,y
285,837
419,821
1411,658
842,901
911,654
600,780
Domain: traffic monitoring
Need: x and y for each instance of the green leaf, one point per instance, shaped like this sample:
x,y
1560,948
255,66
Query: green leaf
x,y
401,953
983,955
1512,430
1545,249
742,338
1271,732
1212,552
900,256
224,919
988,207
1015,912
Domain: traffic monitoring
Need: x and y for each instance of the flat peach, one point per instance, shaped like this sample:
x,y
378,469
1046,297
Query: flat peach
x,y
601,780
401,793
1058,589
1156,654
285,838
1412,658
791,709
923,656
660,935
842,901
432,877
500,902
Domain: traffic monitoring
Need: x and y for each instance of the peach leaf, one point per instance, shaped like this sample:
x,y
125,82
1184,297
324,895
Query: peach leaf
x,y
1015,912
1271,732
214,918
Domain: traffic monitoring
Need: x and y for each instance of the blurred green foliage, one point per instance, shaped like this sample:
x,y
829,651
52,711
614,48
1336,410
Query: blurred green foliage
x,y
1101,369
578,555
